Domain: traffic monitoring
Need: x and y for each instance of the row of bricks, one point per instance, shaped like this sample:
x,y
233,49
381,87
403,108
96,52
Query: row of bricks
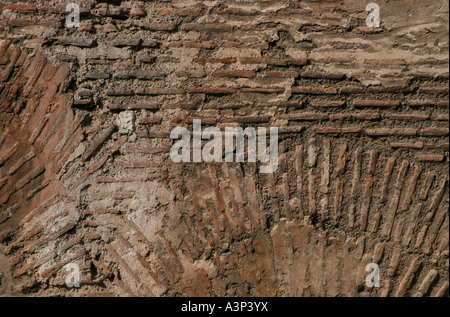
x,y
295,90
293,104
426,132
20,242
270,61
26,179
124,245
187,27
124,12
146,75
375,132
300,90
142,74
305,116
105,11
138,11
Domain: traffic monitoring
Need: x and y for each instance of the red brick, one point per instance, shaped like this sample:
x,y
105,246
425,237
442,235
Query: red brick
x,y
204,277
160,91
304,116
209,27
50,237
393,89
431,157
80,42
351,90
416,145
297,62
159,26
314,90
154,134
99,140
247,119
426,185
6,73
4,46
434,132
385,62
342,158
191,120
437,146
191,293
137,12
119,92
140,106
233,11
215,60
355,116
338,199
411,188
71,243
150,120
420,103
327,104
180,11
3,182
135,164
92,224
407,116
212,91
263,60
442,117
368,30
193,44
392,132
278,74
5,234
262,90
332,130
21,7
234,73
433,90
24,269
8,153
29,177
376,103
366,202
293,104
37,189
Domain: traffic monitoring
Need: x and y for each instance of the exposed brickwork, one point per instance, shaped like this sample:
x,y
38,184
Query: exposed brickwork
x,y
364,148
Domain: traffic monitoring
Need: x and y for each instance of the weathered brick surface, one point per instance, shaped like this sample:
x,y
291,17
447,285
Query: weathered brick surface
x,y
364,130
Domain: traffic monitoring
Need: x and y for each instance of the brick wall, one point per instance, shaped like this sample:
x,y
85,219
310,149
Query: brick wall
x,y
364,148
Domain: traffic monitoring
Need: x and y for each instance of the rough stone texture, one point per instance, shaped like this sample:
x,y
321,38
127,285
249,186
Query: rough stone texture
x,y
364,149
